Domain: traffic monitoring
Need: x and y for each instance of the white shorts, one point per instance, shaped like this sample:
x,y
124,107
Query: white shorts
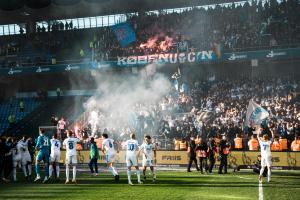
x,y
109,158
71,160
55,157
26,158
17,160
131,161
266,161
147,163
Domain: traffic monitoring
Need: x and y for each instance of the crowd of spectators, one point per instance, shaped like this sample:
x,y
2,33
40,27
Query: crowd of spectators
x,y
251,26
209,109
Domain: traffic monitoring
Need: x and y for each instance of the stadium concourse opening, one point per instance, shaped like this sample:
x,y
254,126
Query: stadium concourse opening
x,y
144,98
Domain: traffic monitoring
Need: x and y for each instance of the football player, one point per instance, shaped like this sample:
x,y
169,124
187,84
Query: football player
x,y
43,147
131,158
54,156
109,152
71,155
149,153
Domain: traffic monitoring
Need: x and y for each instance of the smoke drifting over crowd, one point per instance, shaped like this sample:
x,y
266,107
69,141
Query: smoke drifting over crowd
x,y
120,99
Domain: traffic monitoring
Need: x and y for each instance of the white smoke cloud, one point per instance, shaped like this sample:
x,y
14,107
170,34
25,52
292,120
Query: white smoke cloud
x,y
120,97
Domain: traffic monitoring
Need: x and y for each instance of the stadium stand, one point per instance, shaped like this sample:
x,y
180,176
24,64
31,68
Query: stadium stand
x,y
12,107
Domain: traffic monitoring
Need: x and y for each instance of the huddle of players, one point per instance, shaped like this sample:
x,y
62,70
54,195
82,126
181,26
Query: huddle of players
x,y
43,143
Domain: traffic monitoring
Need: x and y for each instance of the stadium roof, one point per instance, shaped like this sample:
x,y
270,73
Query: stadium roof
x,y
20,11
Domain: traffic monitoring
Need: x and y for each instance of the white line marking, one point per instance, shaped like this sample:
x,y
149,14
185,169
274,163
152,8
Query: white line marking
x,y
244,177
260,191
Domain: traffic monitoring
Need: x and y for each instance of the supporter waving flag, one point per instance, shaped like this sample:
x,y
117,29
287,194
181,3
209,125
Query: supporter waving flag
x,y
124,33
255,114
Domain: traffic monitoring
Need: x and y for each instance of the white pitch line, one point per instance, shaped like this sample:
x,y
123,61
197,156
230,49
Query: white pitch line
x,y
244,177
260,191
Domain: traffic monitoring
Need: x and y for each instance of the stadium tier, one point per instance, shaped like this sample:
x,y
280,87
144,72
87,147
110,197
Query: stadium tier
x,y
193,99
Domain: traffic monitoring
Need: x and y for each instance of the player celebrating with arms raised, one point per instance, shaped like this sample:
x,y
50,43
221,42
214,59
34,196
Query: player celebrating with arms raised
x,y
131,158
265,149
71,155
109,152
149,153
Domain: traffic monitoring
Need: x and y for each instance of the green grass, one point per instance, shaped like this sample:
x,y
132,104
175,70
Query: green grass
x,y
170,185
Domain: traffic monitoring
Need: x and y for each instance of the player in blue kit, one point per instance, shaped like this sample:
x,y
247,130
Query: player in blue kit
x,y
43,147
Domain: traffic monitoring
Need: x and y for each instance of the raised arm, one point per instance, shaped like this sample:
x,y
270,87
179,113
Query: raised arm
x,y
258,131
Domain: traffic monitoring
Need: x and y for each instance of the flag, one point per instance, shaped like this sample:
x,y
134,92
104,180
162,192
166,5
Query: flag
x,y
255,114
124,33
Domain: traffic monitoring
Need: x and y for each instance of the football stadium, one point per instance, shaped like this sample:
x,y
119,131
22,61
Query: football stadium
x,y
149,99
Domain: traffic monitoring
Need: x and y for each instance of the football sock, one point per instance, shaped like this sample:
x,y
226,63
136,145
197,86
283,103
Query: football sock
x,y
50,170
37,170
29,169
74,172
46,170
24,170
113,171
15,173
262,171
67,172
129,175
57,170
269,174
138,174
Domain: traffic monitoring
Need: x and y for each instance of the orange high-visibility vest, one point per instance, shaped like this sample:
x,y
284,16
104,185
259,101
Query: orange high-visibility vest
x,y
177,145
79,147
253,145
226,151
295,146
283,144
238,143
275,146
99,143
182,145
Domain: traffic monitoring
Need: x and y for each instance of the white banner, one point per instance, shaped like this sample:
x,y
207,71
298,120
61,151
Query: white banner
x,y
255,114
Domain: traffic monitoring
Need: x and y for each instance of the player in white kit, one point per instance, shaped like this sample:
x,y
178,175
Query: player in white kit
x,y
25,157
54,156
71,155
109,153
132,147
16,155
149,153
265,149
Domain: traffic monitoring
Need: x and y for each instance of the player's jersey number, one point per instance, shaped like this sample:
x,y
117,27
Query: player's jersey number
x,y
110,145
56,144
71,145
265,147
130,147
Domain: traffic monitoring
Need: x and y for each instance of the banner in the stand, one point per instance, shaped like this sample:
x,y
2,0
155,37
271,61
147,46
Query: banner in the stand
x,y
191,57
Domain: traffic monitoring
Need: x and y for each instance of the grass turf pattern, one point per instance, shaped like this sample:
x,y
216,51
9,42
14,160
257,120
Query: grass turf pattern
x,y
285,185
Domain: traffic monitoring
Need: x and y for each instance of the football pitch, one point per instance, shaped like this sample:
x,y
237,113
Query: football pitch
x,y
169,185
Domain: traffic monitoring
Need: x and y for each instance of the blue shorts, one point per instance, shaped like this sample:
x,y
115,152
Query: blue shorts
x,y
43,156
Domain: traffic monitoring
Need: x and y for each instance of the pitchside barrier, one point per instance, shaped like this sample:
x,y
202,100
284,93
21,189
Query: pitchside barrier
x,y
236,159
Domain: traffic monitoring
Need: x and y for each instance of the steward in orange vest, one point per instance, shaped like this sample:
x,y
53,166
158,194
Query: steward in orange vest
x,y
295,146
253,143
177,144
283,144
275,145
238,142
